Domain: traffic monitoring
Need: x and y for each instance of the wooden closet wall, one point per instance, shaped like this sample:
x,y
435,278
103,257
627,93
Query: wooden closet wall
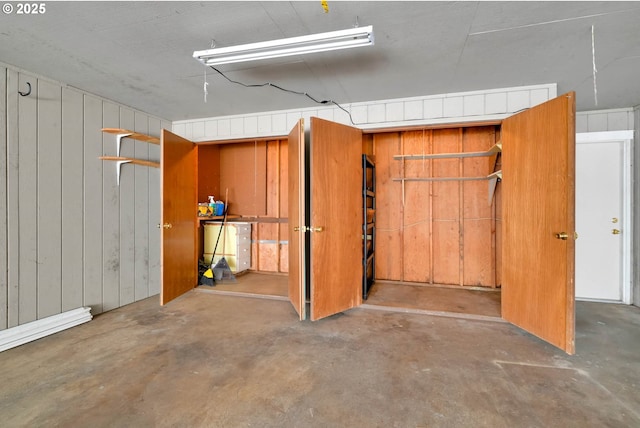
x,y
255,173
437,232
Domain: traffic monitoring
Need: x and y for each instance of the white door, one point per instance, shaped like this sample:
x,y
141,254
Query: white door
x,y
602,217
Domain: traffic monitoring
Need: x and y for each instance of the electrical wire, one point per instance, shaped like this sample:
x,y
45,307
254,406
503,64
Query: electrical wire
x,y
291,91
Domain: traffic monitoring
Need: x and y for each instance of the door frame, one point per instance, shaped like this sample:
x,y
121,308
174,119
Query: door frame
x,y
626,138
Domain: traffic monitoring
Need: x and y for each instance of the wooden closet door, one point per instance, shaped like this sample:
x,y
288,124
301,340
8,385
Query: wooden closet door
x,y
178,166
335,171
538,164
297,197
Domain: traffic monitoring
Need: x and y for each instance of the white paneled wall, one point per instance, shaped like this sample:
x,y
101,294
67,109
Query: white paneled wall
x,y
635,245
70,235
605,120
432,109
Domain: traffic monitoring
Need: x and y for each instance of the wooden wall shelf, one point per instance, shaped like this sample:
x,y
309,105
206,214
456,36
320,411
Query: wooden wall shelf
x,y
497,148
120,160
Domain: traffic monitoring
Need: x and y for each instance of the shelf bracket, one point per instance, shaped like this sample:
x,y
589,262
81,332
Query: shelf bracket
x,y
119,169
493,182
119,138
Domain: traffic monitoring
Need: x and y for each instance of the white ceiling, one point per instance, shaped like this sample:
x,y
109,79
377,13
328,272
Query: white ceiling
x,y
140,53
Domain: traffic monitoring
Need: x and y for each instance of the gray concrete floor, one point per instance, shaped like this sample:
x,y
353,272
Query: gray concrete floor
x,y
208,360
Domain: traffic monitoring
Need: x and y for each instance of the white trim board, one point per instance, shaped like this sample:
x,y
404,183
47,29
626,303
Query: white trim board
x,y
627,203
482,105
16,336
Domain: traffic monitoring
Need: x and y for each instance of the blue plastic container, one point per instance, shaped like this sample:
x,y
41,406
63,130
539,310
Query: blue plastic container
x,y
219,208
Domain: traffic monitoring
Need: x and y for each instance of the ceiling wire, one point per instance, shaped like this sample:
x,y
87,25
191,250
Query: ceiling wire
x,y
593,56
305,94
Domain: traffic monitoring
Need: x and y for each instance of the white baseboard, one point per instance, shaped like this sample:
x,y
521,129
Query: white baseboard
x,y
16,336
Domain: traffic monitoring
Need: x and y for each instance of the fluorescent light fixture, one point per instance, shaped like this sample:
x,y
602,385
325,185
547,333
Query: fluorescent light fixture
x,y
342,39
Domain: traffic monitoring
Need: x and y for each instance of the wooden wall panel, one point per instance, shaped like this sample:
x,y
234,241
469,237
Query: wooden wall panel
x,y
273,179
478,239
446,209
416,242
209,172
445,231
49,197
284,206
28,205
389,262
243,172
4,283
127,216
72,213
284,248
111,208
284,181
268,257
92,197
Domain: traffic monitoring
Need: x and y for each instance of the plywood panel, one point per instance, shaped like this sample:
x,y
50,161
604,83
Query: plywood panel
x,y
49,205
3,202
28,202
13,191
243,172
416,239
111,209
284,248
155,127
478,238
446,209
284,207
92,196
72,213
273,179
209,172
141,211
127,215
268,248
389,207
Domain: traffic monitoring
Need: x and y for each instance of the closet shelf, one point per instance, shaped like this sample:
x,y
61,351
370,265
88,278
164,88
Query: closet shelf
x,y
132,134
497,148
125,133
121,160
441,179
124,159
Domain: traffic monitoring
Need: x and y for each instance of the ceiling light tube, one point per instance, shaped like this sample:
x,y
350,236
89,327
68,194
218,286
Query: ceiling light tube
x,y
322,42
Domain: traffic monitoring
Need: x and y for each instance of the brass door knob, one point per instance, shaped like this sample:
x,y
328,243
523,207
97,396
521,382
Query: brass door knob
x,y
562,235
316,229
167,225
616,232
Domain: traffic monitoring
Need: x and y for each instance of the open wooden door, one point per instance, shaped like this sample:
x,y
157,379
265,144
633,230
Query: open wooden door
x,y
297,197
335,229
538,165
178,166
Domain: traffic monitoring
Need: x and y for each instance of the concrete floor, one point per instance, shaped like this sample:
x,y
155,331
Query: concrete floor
x,y
210,360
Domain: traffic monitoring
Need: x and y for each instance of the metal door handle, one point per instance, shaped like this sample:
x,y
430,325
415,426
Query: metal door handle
x,y
300,229
316,229
167,225
562,235
616,231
